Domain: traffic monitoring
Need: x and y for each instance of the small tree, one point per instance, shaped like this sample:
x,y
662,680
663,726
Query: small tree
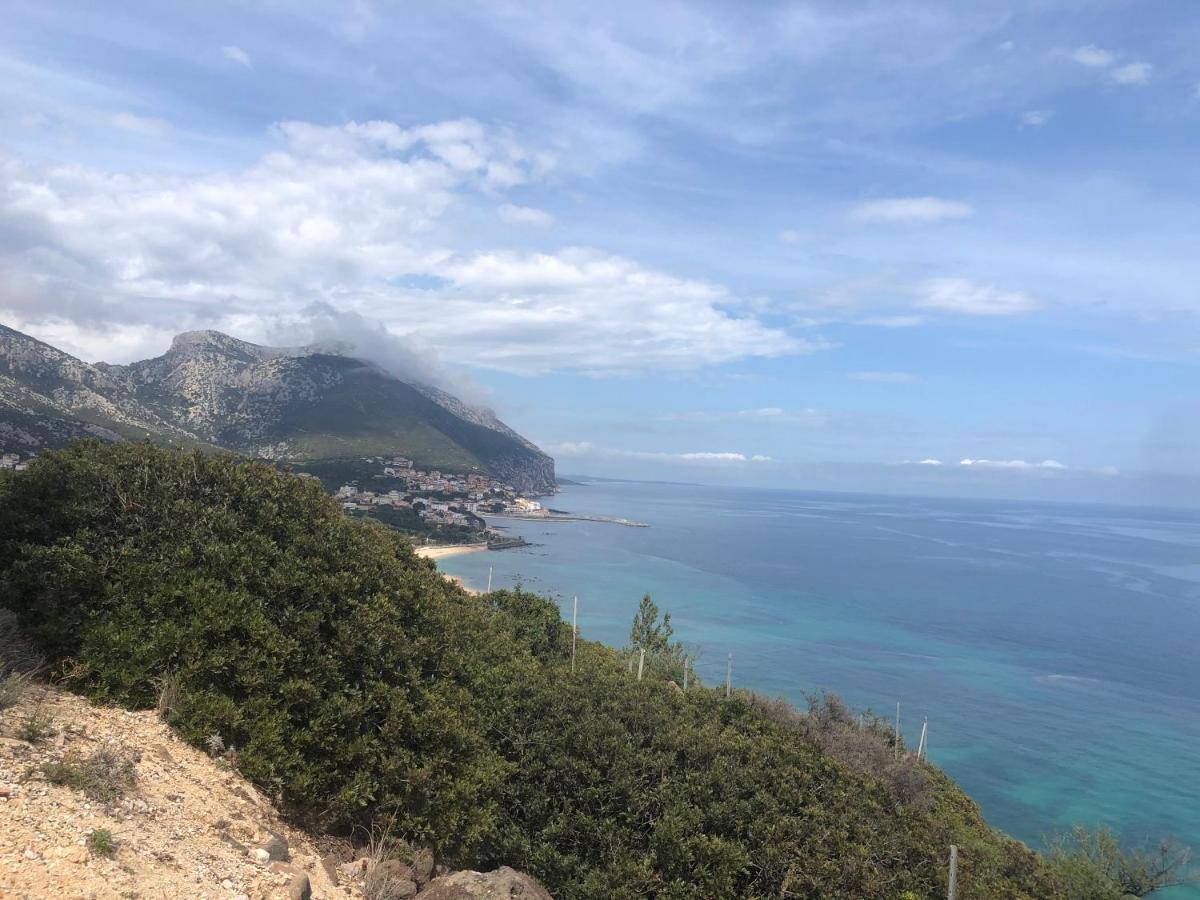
x,y
652,634
648,633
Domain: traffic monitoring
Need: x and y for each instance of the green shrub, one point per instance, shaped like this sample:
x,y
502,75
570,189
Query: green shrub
x,y
105,775
36,726
100,842
361,687
1092,865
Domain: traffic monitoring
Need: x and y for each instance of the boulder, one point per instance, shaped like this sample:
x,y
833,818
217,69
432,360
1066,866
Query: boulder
x,y
422,867
299,887
277,847
394,869
330,863
389,879
350,872
502,884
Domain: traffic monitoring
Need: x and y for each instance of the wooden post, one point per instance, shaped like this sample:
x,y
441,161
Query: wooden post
x,y
729,676
630,663
641,663
897,729
952,891
685,673
574,632
923,746
489,590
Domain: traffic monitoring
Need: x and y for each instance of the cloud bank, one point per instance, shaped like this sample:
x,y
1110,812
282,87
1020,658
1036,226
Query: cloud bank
x,y
362,216
587,450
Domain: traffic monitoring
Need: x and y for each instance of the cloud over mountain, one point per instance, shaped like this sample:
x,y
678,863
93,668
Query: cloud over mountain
x,y
363,216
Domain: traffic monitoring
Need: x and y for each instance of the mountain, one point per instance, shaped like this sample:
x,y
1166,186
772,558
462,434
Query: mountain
x,y
296,404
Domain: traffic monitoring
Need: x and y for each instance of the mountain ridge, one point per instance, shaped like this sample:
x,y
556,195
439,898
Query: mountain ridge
x,y
293,404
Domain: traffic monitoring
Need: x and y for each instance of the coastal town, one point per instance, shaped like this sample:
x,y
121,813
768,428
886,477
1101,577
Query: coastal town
x,y
431,505
438,497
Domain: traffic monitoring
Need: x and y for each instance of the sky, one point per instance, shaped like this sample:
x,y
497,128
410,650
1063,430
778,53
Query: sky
x,y
924,247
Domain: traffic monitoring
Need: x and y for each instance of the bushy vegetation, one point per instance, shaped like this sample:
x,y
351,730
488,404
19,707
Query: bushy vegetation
x,y
1092,865
360,687
19,663
104,775
100,842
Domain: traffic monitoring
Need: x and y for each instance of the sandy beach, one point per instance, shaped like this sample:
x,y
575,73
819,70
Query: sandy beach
x,y
437,552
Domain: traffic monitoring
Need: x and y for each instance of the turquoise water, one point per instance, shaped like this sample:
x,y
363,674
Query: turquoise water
x,y
1052,647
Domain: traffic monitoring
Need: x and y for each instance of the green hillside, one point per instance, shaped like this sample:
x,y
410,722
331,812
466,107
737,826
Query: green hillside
x,y
359,686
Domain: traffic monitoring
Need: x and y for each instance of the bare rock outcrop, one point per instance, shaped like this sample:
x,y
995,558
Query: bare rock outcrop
x,y
502,884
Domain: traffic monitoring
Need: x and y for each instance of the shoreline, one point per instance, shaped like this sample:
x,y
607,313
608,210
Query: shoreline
x,y
438,551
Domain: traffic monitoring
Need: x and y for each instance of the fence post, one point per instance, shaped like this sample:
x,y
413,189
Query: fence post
x,y
574,632
489,590
952,891
897,729
685,673
729,676
641,663
923,747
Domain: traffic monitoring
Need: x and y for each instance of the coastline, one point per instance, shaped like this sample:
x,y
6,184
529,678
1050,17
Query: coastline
x,y
438,551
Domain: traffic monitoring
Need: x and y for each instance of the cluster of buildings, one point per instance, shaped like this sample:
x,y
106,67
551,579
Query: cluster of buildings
x,y
437,497
12,461
417,480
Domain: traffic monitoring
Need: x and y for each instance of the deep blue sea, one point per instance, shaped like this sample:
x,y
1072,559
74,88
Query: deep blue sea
x,y
1053,648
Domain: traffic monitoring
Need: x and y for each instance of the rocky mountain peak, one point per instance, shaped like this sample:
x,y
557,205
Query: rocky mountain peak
x,y
208,341
212,389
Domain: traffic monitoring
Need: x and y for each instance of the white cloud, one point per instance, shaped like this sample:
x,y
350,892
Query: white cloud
x,y
1136,73
1035,118
885,377
1092,56
1133,73
588,449
143,125
898,321
767,415
1052,464
525,215
236,54
959,295
724,457
930,462
362,217
910,209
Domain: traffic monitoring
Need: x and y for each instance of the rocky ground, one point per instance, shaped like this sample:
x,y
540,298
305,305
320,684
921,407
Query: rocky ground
x,y
102,803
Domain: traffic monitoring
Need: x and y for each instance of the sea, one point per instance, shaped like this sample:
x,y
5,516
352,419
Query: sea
x,y
1053,649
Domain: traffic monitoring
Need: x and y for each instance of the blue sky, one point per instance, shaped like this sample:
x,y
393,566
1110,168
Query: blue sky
x,y
809,244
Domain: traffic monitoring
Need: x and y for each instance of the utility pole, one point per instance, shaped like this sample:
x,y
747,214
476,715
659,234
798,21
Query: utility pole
x,y
952,891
